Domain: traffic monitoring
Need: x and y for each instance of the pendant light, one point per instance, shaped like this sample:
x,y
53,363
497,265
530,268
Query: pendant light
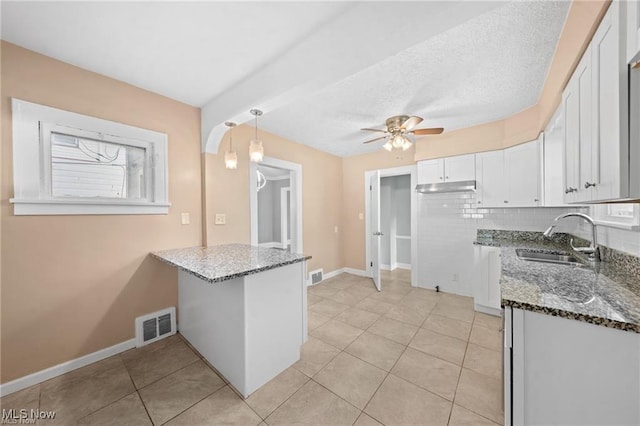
x,y
230,157
256,151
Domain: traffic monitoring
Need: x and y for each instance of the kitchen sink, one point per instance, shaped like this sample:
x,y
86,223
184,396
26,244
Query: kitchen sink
x,y
562,258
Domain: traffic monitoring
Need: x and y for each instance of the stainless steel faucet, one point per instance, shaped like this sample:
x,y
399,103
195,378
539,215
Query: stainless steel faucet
x,y
593,250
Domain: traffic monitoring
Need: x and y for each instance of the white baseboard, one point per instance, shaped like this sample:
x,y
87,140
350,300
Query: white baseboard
x,y
403,266
354,271
395,266
386,267
487,310
333,273
65,367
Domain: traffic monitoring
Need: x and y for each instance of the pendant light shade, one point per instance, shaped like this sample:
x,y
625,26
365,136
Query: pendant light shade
x,y
230,157
256,151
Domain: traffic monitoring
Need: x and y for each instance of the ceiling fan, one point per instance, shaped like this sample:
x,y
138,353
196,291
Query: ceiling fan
x,y
397,128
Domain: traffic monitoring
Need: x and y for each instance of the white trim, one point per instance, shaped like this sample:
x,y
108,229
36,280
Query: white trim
x,y
31,170
272,244
64,207
65,367
395,266
285,238
332,274
395,171
487,310
276,177
358,272
385,267
403,237
403,266
296,192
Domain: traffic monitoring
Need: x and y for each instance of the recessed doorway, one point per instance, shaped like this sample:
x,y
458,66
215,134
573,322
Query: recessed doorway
x,y
275,191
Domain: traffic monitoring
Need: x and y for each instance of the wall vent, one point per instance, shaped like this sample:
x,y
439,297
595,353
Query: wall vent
x,y
155,326
315,277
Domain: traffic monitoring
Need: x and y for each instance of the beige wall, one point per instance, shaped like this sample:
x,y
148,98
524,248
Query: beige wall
x,y
227,191
72,285
582,21
353,169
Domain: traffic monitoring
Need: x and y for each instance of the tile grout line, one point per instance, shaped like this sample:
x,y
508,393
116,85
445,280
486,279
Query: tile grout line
x,y
191,406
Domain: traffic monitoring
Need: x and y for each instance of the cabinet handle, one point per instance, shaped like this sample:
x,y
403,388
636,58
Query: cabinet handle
x,y
506,202
440,177
479,202
570,190
587,185
446,177
535,200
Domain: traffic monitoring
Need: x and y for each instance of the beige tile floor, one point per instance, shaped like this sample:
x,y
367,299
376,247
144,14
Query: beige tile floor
x,y
399,357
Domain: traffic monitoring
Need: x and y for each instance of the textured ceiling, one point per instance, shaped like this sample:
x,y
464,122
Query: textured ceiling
x,y
189,51
320,70
491,67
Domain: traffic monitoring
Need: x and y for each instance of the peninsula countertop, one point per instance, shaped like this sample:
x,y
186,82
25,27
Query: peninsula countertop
x,y
227,261
600,293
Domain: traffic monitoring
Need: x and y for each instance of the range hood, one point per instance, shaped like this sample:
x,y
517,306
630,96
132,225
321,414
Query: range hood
x,y
435,188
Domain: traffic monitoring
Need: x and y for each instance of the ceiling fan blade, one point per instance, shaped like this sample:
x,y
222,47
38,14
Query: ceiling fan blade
x,y
374,130
411,122
376,139
432,131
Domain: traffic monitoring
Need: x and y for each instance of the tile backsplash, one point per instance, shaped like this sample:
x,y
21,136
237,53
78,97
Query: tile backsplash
x,y
448,225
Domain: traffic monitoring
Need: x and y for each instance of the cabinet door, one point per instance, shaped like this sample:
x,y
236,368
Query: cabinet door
x,y
431,171
584,81
610,111
491,188
459,168
522,168
553,160
571,112
633,30
486,285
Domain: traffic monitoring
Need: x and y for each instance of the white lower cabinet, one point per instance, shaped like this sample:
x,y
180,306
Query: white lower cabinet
x,y
486,285
561,371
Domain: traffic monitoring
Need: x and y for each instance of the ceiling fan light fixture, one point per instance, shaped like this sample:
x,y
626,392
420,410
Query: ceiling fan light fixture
x,y
398,140
230,157
256,150
406,145
388,146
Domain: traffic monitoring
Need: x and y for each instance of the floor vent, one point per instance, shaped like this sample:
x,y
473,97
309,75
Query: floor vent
x,y
153,327
315,276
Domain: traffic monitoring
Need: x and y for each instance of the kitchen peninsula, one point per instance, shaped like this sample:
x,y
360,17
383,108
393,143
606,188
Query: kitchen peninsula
x,y
243,308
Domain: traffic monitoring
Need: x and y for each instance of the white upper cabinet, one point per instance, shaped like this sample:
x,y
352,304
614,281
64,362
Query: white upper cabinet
x,y
553,160
522,171
510,177
571,113
596,113
431,171
459,168
449,169
633,30
491,190
610,155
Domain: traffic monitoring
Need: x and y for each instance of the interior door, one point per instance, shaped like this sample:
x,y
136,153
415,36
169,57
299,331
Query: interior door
x,y
375,229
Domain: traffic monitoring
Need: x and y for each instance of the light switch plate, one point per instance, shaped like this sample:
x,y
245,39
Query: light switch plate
x,y
185,219
220,219
360,216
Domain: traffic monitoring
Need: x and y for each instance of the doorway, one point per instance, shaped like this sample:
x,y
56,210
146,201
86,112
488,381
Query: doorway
x,y
275,196
391,225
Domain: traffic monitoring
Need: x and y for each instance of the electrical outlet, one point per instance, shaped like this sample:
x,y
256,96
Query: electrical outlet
x,y
335,229
185,219
220,219
360,216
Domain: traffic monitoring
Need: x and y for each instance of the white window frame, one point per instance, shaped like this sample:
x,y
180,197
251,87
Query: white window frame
x,y
601,217
32,127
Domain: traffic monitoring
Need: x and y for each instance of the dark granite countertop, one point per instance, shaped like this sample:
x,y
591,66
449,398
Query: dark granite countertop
x,y
227,261
603,293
